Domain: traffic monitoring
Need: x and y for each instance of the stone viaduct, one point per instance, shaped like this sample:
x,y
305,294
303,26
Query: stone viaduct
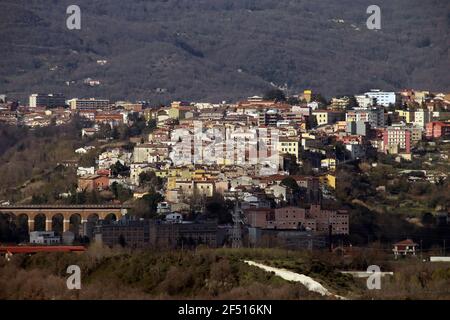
x,y
84,212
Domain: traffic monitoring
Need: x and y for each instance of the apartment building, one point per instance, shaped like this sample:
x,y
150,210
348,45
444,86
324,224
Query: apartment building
x,y
148,152
337,219
113,119
292,218
383,98
259,217
183,235
324,117
365,101
405,115
397,139
196,187
269,118
89,104
340,103
315,219
437,129
360,128
289,146
422,117
129,233
373,115
48,100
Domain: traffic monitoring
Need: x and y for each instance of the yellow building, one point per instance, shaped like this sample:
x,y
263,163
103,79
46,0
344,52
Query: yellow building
x,y
328,116
175,174
307,95
177,110
420,96
195,188
150,114
174,113
182,172
205,188
202,174
328,163
188,174
288,145
331,180
407,115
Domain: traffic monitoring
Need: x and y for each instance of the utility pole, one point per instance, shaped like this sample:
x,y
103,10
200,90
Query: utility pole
x,y
237,232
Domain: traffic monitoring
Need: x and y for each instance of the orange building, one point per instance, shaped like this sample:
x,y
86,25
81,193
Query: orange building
x,y
437,129
93,182
259,217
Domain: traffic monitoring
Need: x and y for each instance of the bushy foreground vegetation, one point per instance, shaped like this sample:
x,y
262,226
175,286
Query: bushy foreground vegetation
x,y
119,274
212,274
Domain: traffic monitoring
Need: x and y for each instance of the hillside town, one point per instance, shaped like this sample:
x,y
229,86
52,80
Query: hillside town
x,y
258,172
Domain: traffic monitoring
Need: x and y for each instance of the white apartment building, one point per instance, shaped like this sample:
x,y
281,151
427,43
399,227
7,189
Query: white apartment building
x,y
364,101
383,98
374,116
422,117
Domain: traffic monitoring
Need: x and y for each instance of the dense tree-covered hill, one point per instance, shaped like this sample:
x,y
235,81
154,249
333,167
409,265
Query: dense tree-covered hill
x,y
221,49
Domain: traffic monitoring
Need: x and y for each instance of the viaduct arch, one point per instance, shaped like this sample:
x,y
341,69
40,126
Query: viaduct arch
x,y
66,211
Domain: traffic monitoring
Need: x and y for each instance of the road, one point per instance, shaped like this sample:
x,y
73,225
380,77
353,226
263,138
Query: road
x,y
311,284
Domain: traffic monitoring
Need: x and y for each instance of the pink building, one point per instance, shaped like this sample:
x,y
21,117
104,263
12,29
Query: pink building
x,y
437,129
292,218
259,217
338,219
396,140
314,218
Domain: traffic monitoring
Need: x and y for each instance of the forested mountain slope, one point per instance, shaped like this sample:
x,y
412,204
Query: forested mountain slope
x,y
221,49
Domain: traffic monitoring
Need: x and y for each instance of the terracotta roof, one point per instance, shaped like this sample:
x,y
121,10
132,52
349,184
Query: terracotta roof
x,y
35,249
328,111
407,242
